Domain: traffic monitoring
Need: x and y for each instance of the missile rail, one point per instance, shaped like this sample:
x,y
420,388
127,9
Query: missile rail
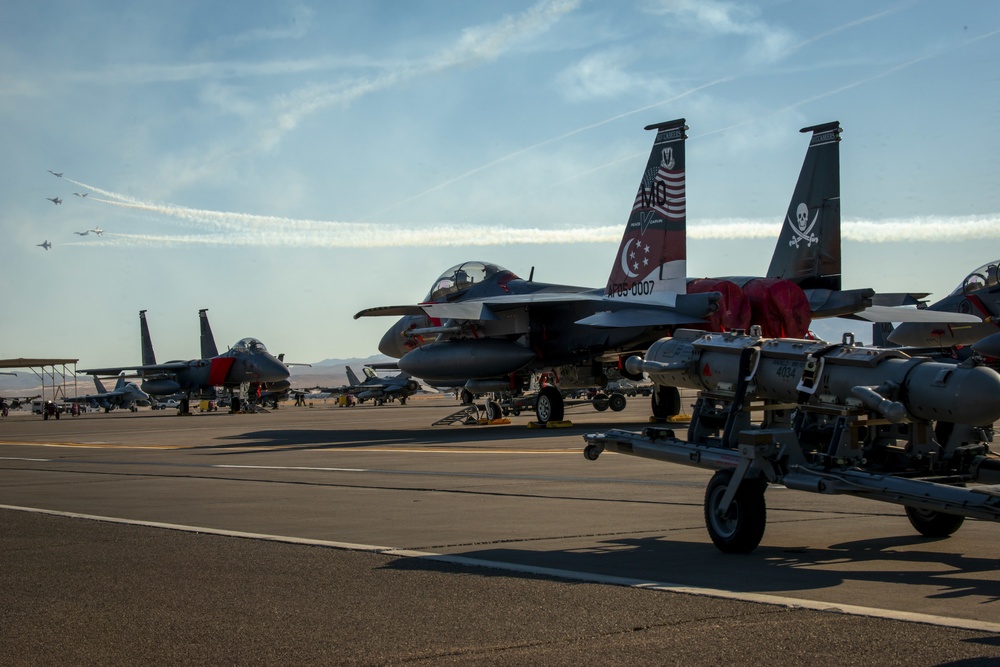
x,y
830,419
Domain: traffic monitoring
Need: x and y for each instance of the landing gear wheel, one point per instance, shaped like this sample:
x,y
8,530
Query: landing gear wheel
x,y
600,402
617,402
666,402
466,397
549,405
493,410
933,524
741,528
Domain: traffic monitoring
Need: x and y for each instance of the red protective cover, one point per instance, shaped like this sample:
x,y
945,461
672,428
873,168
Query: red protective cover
x,y
734,307
779,306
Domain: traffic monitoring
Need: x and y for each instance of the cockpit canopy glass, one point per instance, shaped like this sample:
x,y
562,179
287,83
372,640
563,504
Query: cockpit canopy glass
x,y
250,345
463,276
983,277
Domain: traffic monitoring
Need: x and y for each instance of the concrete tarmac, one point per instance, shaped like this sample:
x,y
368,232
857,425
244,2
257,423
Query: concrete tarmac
x,y
366,536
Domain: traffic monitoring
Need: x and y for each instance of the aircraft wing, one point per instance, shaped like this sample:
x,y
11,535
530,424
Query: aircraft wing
x,y
904,314
170,366
615,315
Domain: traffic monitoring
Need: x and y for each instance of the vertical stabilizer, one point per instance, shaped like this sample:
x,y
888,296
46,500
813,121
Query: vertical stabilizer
x,y
208,347
99,386
651,261
808,250
148,356
352,379
120,384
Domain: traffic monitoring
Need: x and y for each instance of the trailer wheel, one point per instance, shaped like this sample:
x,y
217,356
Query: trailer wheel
x,y
933,524
591,452
549,405
617,402
740,529
600,402
666,401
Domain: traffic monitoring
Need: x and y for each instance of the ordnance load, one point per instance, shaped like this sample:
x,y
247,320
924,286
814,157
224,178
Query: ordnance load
x,y
827,418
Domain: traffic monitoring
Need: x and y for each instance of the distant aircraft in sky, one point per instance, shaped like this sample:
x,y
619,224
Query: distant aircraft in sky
x,y
55,174
98,231
55,200
81,195
45,245
82,233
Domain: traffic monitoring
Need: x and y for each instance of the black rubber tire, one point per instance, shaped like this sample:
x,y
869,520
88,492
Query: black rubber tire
x,y
617,402
742,528
666,402
549,406
600,402
493,410
933,524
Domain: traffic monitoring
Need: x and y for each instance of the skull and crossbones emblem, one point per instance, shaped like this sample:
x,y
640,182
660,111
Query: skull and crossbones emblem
x,y
802,227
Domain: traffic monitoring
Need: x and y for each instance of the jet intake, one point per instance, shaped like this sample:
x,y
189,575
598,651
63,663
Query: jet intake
x,y
466,360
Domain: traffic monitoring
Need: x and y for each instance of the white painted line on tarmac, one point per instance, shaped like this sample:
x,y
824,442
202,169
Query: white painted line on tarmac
x,y
310,468
573,575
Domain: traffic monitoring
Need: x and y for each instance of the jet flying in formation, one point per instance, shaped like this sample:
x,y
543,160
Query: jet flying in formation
x,y
81,195
98,231
45,245
55,200
59,174
84,233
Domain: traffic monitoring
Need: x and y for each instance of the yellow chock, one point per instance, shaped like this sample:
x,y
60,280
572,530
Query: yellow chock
x,y
675,419
559,424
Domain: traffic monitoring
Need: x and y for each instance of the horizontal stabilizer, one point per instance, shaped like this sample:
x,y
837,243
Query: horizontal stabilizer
x,y
638,317
903,314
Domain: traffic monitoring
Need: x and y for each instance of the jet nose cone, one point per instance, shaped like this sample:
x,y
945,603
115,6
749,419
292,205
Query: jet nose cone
x,y
393,344
269,369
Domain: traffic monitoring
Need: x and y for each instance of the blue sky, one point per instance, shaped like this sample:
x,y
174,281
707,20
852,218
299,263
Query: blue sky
x,y
286,164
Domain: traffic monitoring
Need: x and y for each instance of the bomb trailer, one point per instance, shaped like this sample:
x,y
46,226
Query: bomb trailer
x,y
834,419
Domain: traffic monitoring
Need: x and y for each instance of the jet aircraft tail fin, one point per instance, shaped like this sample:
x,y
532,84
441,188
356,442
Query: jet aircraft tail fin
x,y
148,356
99,386
208,347
121,382
651,262
352,379
808,249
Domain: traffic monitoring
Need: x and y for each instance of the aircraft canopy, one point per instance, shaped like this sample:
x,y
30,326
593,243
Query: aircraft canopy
x,y
983,277
462,276
250,345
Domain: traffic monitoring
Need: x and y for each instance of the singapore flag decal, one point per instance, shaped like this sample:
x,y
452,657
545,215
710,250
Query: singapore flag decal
x,y
651,260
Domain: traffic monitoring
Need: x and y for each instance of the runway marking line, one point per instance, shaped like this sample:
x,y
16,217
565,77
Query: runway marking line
x,y
572,575
89,445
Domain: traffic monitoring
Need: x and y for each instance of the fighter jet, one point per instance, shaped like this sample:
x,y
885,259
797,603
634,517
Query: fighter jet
x,y
54,173
45,245
98,231
483,327
380,390
81,195
84,233
55,200
978,294
246,363
125,395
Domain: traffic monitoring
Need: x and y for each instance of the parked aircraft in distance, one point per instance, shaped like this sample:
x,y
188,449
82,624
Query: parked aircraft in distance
x,y
978,294
484,328
125,395
377,389
55,200
16,402
45,245
247,362
54,173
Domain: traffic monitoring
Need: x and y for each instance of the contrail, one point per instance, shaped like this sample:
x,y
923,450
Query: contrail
x,y
942,229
